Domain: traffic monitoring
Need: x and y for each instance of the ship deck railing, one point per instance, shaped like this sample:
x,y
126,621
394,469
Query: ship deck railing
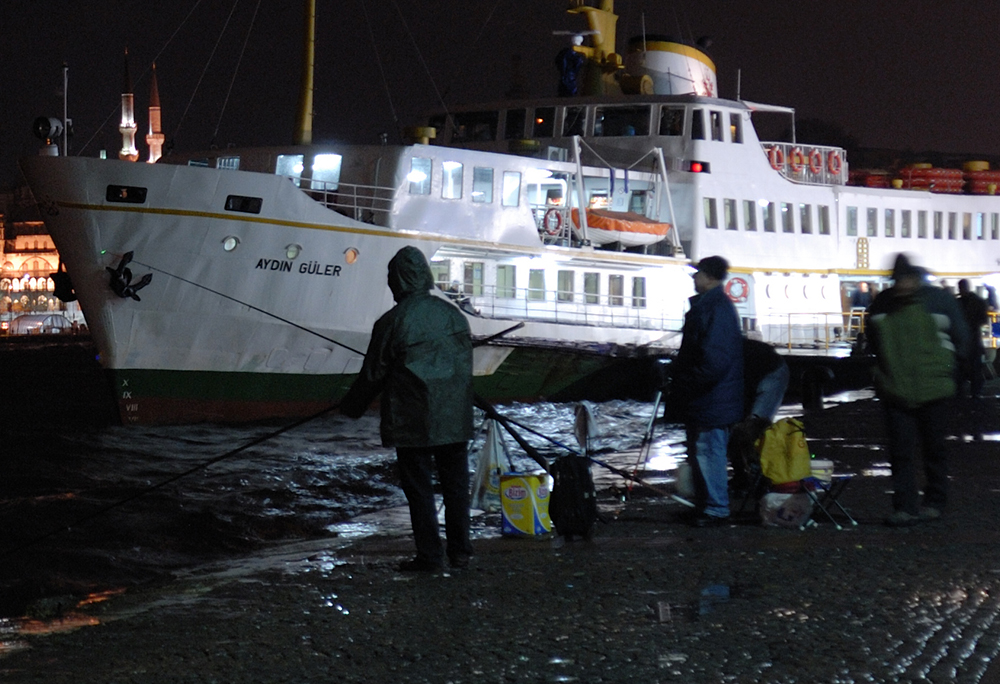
x,y
568,308
792,160
365,203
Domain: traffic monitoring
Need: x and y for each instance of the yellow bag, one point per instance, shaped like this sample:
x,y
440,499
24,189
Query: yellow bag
x,y
784,454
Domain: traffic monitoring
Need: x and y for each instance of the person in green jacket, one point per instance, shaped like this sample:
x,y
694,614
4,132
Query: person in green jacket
x,y
420,361
920,339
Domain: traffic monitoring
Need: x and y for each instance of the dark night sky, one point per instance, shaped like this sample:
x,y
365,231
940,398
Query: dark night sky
x,y
907,75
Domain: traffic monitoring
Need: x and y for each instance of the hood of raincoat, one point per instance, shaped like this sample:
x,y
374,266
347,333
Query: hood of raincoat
x,y
409,273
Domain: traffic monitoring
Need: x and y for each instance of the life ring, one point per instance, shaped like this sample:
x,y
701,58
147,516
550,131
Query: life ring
x,y
552,221
834,163
776,157
737,289
796,159
815,161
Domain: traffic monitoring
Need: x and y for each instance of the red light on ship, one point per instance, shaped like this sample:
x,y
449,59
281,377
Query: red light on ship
x,y
699,167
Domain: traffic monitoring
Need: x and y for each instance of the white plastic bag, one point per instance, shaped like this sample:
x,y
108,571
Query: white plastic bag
x,y
785,510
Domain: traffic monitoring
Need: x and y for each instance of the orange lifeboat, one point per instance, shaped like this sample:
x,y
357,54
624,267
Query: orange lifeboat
x,y
628,228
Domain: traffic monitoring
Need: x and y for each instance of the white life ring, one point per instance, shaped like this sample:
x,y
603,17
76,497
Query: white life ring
x,y
552,221
738,290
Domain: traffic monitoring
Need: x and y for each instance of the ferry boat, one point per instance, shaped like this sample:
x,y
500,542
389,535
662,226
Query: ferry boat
x,y
242,284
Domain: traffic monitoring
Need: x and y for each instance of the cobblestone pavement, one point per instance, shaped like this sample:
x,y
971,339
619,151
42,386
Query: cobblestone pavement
x,y
647,599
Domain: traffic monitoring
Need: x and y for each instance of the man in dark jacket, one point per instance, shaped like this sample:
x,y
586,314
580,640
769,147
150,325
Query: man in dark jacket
x,y
707,387
420,361
919,337
976,313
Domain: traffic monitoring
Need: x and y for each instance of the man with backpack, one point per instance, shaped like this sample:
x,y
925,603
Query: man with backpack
x,y
920,339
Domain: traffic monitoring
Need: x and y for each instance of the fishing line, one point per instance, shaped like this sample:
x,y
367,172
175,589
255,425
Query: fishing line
x,y
164,483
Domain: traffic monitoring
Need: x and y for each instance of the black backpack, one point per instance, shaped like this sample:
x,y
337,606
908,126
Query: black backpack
x,y
573,502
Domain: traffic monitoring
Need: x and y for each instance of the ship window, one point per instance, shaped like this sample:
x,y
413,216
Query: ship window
x,y
326,171
125,193
852,221
697,124
482,184
824,219
599,200
290,165
471,126
952,225
711,213
201,162
505,281
248,205
938,225
890,222
981,226
750,215
419,176
805,218
616,290
511,192
441,270
228,163
621,121
905,221
729,215
514,124
736,127
639,293
564,286
536,285
872,223
921,224
473,281
769,220
966,225
545,121
451,180
995,226
592,288
716,120
637,202
672,121
787,218
573,120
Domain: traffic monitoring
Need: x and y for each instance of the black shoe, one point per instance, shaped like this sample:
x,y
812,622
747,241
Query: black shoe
x,y
705,520
459,562
418,565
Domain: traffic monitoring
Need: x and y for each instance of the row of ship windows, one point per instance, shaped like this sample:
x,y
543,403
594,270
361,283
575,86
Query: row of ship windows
x,y
453,178
971,226
473,284
589,120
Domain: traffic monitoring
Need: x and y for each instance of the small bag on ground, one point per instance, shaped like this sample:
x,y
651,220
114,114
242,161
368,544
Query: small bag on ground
x,y
573,502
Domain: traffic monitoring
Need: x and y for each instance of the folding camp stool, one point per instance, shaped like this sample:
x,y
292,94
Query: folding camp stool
x,y
824,496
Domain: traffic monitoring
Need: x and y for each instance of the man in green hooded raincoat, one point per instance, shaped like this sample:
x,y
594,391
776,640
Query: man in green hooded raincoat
x,y
420,361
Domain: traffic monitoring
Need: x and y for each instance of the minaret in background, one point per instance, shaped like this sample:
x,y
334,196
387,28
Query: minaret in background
x,y
127,127
155,136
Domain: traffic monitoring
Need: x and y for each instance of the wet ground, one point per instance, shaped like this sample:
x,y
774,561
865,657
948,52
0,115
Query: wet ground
x,y
243,577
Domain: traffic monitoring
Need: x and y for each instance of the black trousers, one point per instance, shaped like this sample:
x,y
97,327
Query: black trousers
x,y
415,472
918,434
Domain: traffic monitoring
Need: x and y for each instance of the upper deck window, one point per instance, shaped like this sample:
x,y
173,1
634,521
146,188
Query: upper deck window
x,y
672,121
573,121
451,180
514,124
697,124
228,163
736,127
621,120
472,126
716,118
482,184
290,165
326,171
419,176
544,123
511,191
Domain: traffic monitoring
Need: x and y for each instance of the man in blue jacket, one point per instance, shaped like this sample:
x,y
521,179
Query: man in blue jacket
x,y
707,387
420,361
